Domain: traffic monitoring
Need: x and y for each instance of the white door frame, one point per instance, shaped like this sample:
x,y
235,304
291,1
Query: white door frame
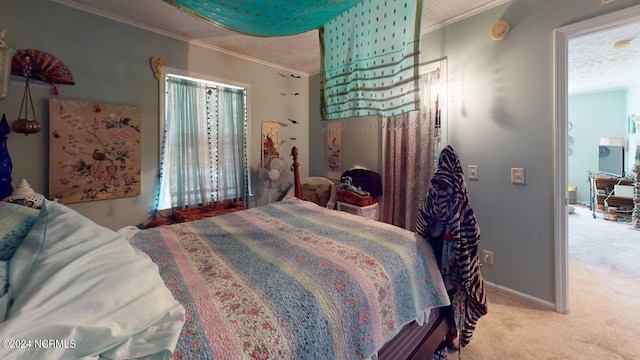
x,y
562,37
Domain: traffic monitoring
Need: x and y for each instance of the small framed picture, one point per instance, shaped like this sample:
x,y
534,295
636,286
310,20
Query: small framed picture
x,y
270,139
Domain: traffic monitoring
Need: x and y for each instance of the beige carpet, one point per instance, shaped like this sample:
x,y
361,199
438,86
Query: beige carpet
x,y
604,302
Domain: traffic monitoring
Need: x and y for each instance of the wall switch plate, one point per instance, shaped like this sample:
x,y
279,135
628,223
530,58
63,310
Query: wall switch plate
x,y
517,175
472,172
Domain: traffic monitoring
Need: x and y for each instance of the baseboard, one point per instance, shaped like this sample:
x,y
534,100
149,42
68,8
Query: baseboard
x,y
520,295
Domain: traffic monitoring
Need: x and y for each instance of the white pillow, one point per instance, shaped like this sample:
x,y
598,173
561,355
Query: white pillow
x,y
84,286
5,295
128,232
4,304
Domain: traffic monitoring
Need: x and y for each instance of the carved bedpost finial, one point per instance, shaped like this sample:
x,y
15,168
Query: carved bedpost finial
x,y
156,66
297,192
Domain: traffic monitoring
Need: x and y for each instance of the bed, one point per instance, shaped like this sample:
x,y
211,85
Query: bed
x,y
286,280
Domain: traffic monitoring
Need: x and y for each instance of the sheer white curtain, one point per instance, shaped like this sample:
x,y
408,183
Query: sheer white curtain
x,y
227,113
186,164
204,145
410,142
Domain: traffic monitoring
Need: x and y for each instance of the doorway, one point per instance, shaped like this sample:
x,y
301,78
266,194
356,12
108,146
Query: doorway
x,y
562,37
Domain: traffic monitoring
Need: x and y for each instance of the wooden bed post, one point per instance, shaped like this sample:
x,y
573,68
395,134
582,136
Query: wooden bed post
x,y
296,174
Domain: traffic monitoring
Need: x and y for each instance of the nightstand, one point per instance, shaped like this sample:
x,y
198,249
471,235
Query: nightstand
x,y
370,211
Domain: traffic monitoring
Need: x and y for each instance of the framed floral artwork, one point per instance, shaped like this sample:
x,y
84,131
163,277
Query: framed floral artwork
x,y
94,150
270,139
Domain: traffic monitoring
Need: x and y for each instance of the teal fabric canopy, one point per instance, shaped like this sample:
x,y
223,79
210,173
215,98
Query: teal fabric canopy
x,y
370,49
266,17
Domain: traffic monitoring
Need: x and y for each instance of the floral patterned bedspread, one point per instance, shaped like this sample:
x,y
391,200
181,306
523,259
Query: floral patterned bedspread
x,y
292,280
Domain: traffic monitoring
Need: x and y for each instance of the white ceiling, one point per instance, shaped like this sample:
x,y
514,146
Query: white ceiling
x,y
593,63
298,53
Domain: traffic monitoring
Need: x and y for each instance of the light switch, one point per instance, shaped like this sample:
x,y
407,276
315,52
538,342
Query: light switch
x,y
517,175
472,172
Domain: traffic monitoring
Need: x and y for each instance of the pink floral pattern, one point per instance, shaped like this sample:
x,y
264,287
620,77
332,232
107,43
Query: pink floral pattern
x,y
95,151
316,193
277,281
239,306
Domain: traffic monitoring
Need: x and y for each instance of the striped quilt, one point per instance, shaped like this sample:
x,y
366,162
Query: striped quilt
x,y
292,280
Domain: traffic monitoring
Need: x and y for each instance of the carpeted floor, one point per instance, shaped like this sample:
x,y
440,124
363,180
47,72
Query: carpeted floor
x,y
604,302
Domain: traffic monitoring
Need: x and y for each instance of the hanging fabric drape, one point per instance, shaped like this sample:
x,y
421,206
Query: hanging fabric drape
x,y
370,58
227,114
185,178
370,50
265,18
410,143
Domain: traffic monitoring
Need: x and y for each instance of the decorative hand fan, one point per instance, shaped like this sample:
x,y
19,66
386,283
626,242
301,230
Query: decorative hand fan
x,y
40,65
273,174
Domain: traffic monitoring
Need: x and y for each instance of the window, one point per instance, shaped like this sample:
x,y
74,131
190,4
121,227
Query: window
x,y
204,152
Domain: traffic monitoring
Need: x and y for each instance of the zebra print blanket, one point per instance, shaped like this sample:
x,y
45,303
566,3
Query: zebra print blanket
x,y
446,216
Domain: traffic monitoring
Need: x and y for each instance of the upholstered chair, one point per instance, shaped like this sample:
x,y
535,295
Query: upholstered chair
x,y
316,189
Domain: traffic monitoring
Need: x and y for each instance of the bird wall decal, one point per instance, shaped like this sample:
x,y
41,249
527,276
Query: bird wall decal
x,y
290,75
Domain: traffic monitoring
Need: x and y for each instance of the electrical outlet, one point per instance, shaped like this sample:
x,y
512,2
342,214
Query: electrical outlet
x,y
487,257
472,170
517,175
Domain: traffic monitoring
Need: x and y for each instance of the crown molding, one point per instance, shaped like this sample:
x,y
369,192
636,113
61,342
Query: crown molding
x,y
159,31
466,15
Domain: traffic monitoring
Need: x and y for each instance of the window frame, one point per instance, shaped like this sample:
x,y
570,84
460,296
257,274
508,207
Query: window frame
x,y
209,80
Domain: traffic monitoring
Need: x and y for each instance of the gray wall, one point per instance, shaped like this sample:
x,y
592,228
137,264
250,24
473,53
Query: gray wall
x,y
361,138
110,64
501,115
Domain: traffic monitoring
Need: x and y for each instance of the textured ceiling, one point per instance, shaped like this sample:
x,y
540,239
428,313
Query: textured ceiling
x,y
299,53
593,63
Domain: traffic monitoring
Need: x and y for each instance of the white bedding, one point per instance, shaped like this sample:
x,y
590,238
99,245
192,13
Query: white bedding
x,y
84,287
